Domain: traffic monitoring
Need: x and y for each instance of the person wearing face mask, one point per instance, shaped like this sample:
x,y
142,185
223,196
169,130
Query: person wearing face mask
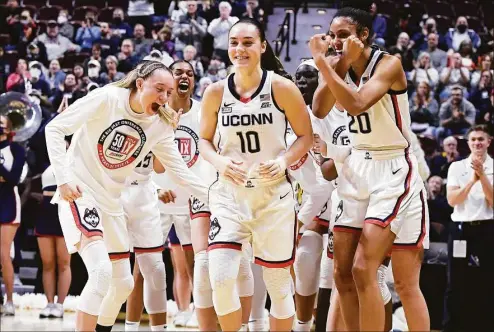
x,y
93,72
66,29
455,36
37,80
119,27
470,245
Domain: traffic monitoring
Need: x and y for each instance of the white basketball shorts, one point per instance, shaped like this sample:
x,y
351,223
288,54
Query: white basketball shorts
x,y
383,188
182,228
261,214
140,203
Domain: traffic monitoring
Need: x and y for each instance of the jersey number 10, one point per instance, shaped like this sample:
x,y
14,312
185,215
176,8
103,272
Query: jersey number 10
x,y
252,138
363,124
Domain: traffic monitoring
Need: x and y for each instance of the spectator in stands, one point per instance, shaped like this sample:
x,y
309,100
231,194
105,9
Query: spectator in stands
x,y
79,73
203,84
22,28
487,43
14,157
108,40
112,75
167,44
480,96
379,26
177,9
219,28
190,29
87,34
121,28
37,79
424,110
484,63
457,114
94,71
17,80
216,70
68,90
468,58
96,51
56,76
36,51
420,39
142,45
402,47
453,75
440,162
66,29
56,44
424,72
141,12
439,58
456,35
470,244
252,10
439,210
190,53
127,58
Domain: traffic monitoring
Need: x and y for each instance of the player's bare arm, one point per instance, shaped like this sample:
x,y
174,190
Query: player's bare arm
x,y
290,100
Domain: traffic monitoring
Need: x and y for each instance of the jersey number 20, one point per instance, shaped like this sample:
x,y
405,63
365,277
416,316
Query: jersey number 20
x,y
252,139
363,124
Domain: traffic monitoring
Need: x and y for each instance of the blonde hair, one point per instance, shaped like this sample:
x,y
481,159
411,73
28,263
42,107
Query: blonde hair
x,y
143,71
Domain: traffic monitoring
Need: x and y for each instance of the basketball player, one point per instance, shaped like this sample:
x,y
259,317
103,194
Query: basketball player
x,y
115,128
12,159
252,200
383,197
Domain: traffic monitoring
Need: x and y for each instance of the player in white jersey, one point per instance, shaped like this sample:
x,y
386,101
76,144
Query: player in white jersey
x,y
252,200
380,186
114,129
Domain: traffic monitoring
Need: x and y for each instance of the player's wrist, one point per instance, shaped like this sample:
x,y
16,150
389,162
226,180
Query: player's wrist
x,y
282,162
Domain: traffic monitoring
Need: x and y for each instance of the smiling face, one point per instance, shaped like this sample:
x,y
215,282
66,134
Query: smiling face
x,y
245,46
306,80
478,142
183,75
154,91
341,28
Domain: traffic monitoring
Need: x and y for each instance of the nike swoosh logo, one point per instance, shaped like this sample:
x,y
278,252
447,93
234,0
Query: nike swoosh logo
x,y
394,172
281,197
228,105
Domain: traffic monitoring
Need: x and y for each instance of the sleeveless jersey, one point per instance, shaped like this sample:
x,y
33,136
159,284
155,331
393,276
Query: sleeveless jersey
x,y
187,141
386,124
251,131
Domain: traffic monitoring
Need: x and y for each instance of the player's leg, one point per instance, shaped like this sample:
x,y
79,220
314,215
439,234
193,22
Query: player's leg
x,y
245,284
386,294
325,285
135,301
7,232
257,313
335,316
64,274
47,250
182,285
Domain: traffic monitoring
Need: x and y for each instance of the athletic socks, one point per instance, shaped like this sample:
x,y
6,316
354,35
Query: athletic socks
x,y
161,327
302,326
131,326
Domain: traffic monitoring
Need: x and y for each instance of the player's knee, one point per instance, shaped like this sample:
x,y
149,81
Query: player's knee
x,y
202,291
343,278
223,273
383,287
406,288
153,270
362,272
245,278
99,278
278,283
308,263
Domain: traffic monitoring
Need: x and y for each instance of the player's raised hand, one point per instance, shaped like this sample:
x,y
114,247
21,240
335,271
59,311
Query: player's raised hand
x,y
319,45
232,170
167,196
69,193
272,168
352,48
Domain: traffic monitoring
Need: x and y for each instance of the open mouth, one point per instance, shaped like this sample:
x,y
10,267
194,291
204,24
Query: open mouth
x,y
155,107
183,86
241,58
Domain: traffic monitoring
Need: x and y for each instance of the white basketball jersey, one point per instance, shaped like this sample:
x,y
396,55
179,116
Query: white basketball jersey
x,y
142,172
187,140
48,182
386,124
251,130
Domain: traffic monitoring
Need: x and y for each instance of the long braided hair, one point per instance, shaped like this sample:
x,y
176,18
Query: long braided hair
x,y
144,70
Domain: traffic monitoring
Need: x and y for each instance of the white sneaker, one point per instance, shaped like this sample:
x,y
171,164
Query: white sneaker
x,y
45,313
181,318
56,310
192,321
8,309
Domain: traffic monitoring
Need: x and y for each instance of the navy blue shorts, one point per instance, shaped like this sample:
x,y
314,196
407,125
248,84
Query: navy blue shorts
x,y
48,223
173,238
10,205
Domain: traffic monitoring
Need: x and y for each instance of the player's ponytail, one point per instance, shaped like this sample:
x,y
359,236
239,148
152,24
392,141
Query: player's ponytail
x,y
269,61
144,70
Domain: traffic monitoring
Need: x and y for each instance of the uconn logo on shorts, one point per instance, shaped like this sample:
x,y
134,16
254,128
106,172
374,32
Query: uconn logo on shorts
x,y
91,217
214,228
